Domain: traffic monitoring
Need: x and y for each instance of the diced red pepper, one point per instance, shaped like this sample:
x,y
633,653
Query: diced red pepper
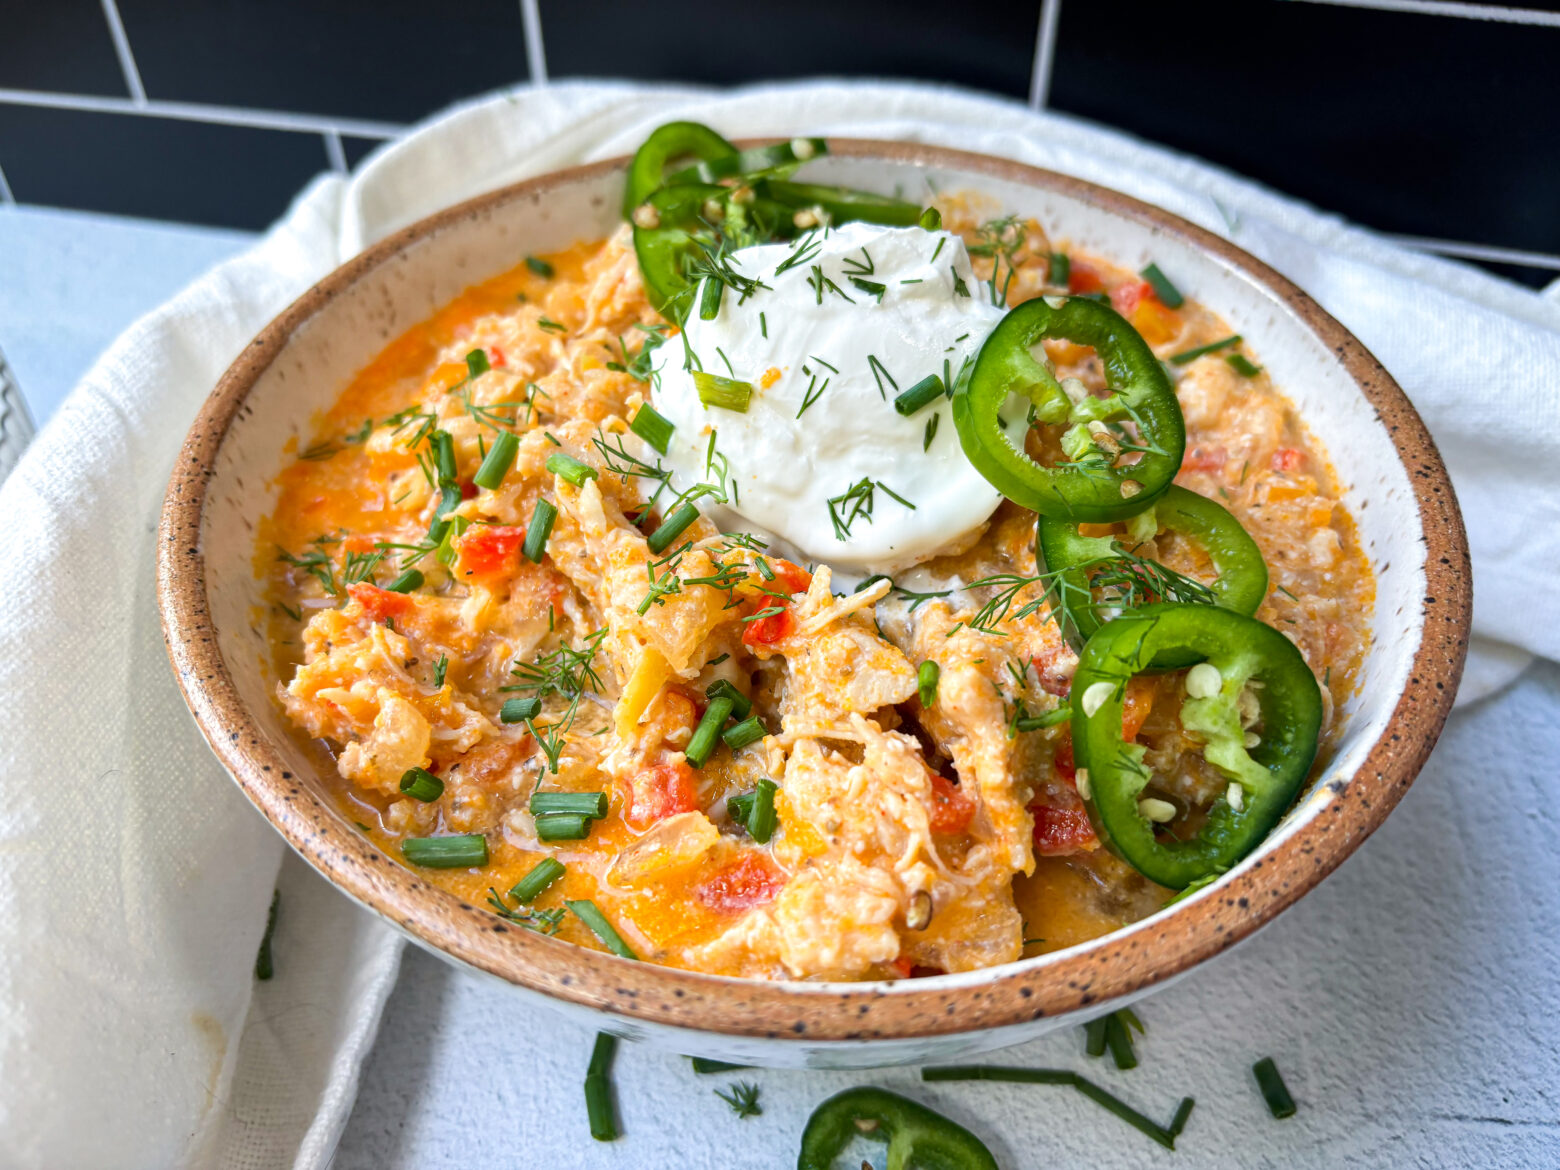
x,y
1204,459
378,603
952,808
1084,278
791,578
1061,831
489,548
495,357
659,792
1287,459
751,880
772,627
468,490
1127,296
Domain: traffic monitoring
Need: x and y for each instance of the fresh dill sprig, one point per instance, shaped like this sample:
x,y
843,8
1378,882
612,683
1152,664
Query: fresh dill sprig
x,y
542,921
856,503
567,672
820,283
742,1096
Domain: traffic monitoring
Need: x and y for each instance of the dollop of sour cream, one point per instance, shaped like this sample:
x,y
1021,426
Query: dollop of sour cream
x,y
821,459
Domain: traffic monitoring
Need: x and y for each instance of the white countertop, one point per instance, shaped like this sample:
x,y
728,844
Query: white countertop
x,y
1410,1001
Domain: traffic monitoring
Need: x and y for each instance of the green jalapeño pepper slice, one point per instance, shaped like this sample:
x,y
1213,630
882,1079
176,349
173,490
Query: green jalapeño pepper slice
x,y
665,244
844,204
917,1137
1251,687
1140,416
673,142
1099,576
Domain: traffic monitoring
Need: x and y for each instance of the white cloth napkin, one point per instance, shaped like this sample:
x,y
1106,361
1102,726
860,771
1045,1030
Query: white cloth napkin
x,y
134,878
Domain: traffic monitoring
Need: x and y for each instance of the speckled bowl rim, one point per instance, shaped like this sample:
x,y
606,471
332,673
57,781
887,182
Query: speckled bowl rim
x,y
1115,965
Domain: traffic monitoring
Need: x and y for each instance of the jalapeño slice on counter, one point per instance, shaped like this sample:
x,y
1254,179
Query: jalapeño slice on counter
x,y
1123,450
1125,580
1250,686
671,143
916,1136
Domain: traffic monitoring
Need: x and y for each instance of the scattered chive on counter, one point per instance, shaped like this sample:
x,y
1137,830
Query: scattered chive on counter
x,y
457,852
704,1065
588,913
263,966
1163,289
421,784
541,528
542,875
598,1089
1274,1091
741,705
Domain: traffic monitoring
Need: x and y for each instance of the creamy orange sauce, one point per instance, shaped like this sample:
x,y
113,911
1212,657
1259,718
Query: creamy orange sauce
x,y
828,897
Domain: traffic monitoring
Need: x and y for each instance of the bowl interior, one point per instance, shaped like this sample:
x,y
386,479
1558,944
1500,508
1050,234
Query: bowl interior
x,y
335,332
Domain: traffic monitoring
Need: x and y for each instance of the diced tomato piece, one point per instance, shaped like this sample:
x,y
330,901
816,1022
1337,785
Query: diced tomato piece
x,y
902,966
378,603
791,578
1287,459
751,880
1204,459
495,357
659,792
952,808
772,627
1128,295
1064,764
357,543
468,490
1060,831
489,548
1084,278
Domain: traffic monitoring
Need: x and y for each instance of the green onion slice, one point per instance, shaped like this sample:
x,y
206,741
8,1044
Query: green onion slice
x,y
540,267
704,1065
500,458
462,852
543,874
541,528
584,804
1274,1091
672,527
739,807
1191,355
653,427
421,784
1061,268
931,219
1167,292
1243,365
598,1089
702,746
520,710
570,469
726,393
477,363
926,682
928,390
761,817
741,705
588,913
750,730
410,579
562,827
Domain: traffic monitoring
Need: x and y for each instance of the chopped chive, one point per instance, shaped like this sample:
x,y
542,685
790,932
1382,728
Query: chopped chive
x,y
462,852
1094,1036
653,427
702,746
443,444
672,527
726,393
477,363
408,580
1120,1042
541,528
1061,268
598,1088
741,705
571,469
1098,297
548,435
1167,292
926,682
763,326
1182,1113
739,808
500,458
1189,355
421,784
543,874
931,219
264,968
750,730
764,571
871,287
562,827
540,267
709,299
586,911
761,817
550,326
923,393
440,669
931,431
1274,1091
1055,1076
583,804
702,1065
1049,719
1243,365
520,710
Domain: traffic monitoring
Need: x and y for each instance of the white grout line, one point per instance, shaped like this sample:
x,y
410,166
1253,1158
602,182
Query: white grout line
x,y
335,152
1045,54
535,51
1498,12
116,29
5,190
198,112
1489,252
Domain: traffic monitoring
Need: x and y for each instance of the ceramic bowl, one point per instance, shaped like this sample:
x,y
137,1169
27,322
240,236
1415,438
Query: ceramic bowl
x,y
1396,488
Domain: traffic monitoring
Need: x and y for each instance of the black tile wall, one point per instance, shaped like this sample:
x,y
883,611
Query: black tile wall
x,y
357,149
1416,124
392,60
61,45
160,168
985,44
